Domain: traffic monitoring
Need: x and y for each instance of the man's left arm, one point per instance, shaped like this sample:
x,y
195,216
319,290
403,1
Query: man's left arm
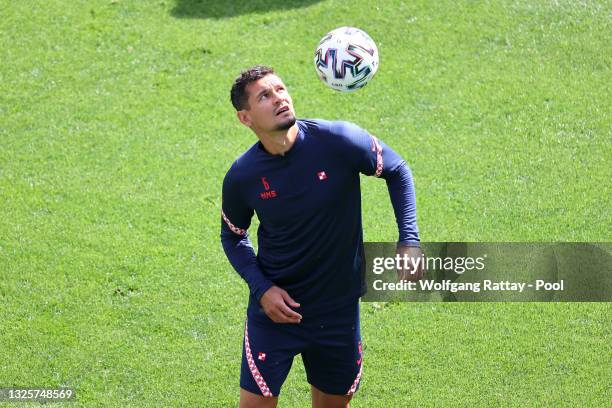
x,y
401,192
372,157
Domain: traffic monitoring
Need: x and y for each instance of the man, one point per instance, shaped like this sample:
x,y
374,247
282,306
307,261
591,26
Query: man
x,y
302,180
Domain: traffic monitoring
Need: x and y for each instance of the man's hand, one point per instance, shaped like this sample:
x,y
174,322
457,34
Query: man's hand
x,y
274,302
415,265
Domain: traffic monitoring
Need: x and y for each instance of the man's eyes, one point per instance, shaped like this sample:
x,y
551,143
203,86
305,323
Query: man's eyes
x,y
266,94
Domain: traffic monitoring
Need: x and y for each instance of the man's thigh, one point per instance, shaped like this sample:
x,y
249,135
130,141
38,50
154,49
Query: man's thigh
x,y
333,362
267,355
250,400
323,400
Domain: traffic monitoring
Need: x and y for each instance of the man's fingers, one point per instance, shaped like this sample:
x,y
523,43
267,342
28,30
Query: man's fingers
x,y
276,302
281,313
410,274
403,274
289,300
290,314
414,270
282,316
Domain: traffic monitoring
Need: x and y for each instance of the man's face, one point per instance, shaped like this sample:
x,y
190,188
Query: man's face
x,y
270,106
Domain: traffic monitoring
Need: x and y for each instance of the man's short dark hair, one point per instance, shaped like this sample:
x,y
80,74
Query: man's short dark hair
x,y
238,93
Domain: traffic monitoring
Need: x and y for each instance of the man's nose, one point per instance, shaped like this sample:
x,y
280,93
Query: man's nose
x,y
278,98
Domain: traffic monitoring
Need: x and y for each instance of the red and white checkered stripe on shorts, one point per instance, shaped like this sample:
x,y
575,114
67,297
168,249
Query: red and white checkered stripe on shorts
x,y
353,388
261,383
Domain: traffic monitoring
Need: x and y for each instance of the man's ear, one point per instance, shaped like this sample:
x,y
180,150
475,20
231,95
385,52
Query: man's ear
x,y
244,117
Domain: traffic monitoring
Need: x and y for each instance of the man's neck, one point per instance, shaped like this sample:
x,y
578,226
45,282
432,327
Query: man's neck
x,y
278,143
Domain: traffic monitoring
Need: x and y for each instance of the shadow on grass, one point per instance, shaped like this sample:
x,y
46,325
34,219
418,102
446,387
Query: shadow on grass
x,y
223,9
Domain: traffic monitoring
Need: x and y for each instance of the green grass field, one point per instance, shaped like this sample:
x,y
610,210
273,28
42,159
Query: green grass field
x,y
116,131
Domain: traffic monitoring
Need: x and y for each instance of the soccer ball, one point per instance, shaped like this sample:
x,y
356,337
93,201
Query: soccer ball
x,y
346,59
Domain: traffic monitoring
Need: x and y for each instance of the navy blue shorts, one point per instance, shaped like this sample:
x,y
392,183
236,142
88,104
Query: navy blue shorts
x,y
330,346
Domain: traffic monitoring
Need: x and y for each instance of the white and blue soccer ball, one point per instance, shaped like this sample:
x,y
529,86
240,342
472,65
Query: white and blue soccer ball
x,y
346,59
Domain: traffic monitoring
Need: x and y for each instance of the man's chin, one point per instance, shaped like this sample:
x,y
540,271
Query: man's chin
x,y
286,124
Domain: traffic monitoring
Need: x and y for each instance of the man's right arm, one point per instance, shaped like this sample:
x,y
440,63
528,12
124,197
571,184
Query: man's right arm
x,y
235,220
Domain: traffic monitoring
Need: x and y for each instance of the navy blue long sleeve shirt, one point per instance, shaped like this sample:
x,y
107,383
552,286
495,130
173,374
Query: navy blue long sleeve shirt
x,y
308,202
